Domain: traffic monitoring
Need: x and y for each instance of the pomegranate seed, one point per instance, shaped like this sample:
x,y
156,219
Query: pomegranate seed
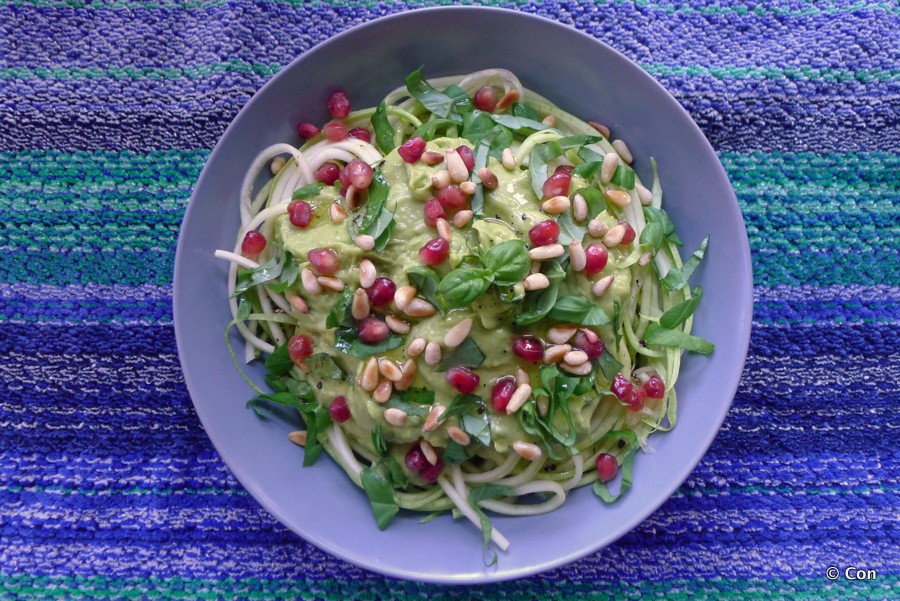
x,y
430,472
501,393
634,398
451,197
339,410
486,99
253,244
299,348
434,252
544,233
655,388
590,343
415,459
607,467
361,133
630,234
411,150
307,130
324,260
596,257
462,379
372,330
336,131
564,169
338,104
359,173
300,213
621,386
468,157
381,292
327,174
529,348
557,185
433,211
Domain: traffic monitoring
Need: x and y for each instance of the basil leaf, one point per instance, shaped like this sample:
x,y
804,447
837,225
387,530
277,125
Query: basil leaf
x,y
340,314
426,281
455,453
467,354
541,303
406,407
382,230
428,130
462,102
384,133
437,102
659,216
678,314
520,125
656,334
677,279
509,261
381,495
491,144
589,156
577,309
378,442
569,231
540,155
624,176
419,396
306,191
463,285
475,126
653,235
523,110
486,493
462,403
594,198
288,276
587,170
478,427
266,272
279,362
601,489
609,365
378,194
361,350
323,365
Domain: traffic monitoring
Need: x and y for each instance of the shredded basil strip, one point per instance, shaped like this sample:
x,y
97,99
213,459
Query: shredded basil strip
x,y
384,133
577,309
676,279
539,304
487,493
437,102
376,482
279,362
657,334
426,281
307,191
467,354
678,314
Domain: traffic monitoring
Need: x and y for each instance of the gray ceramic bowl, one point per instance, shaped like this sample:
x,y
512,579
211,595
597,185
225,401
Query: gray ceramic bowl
x,y
585,77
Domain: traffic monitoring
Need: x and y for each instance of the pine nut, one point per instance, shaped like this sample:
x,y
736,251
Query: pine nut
x,y
277,164
403,296
622,148
609,166
521,376
578,370
389,370
575,357
383,391
604,131
508,99
536,281
645,259
337,213
352,197
455,335
360,308
645,195
298,304
408,371
468,188
416,347
507,159
310,283
365,242
602,285
555,353
431,422
543,405
561,334
394,416
614,236
535,267
458,435
597,228
618,197
367,273
549,120
441,179
443,229
456,166
428,450
396,324
527,450
298,437
462,218
430,157
432,353
518,398
556,205
488,178
577,256
579,208
369,379
549,251
419,308
330,283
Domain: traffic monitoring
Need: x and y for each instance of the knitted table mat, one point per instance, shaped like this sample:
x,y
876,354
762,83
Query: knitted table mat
x,y
109,487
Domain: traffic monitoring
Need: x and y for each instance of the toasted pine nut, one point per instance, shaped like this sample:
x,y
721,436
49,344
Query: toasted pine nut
x,y
645,259
383,391
575,357
543,405
429,452
419,308
443,229
369,379
468,188
337,213
577,256
416,347
579,208
618,197
645,195
549,120
555,353
330,283
462,218
430,157
310,283
602,285
508,99
389,370
367,273
403,296
352,197
614,236
622,148
556,205
488,178
365,242
431,422
432,353
604,131
298,437
298,303
455,335
527,450
597,228
441,179
277,164
456,166
458,435
408,371
396,324
609,166
578,370
507,158
561,334
394,416
536,281
360,308
549,251
518,398
521,376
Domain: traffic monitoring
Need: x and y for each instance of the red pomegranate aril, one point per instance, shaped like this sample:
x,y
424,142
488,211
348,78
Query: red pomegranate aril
x,y
462,379
655,388
415,460
630,234
339,410
327,174
544,233
564,169
338,104
588,342
372,330
557,185
381,292
596,257
634,398
433,211
299,348
307,130
529,348
466,154
359,173
361,133
451,197
501,393
430,473
486,99
335,131
621,386
607,467
434,252
300,213
411,150
253,244
324,260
